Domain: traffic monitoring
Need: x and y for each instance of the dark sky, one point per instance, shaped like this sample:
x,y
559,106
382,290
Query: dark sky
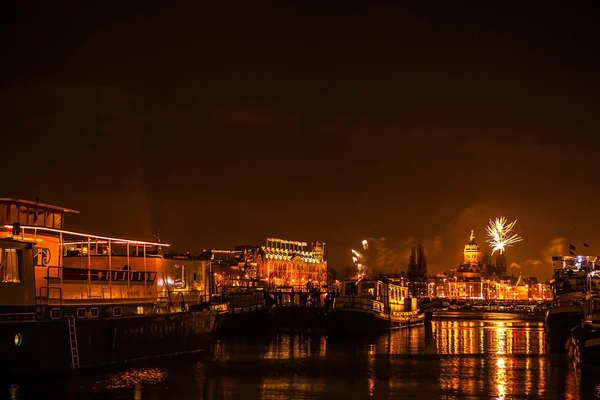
x,y
309,122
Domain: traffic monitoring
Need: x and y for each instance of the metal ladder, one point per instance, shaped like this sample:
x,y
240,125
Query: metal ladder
x,y
73,341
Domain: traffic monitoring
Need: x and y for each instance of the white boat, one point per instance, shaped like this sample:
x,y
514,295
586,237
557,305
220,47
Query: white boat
x,y
568,287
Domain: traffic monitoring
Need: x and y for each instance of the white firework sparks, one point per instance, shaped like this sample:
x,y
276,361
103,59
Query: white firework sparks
x,y
500,234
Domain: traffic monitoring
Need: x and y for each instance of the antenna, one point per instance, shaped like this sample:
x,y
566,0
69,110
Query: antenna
x,y
157,237
35,212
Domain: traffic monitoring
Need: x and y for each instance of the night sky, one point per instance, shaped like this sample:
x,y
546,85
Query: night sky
x,y
415,122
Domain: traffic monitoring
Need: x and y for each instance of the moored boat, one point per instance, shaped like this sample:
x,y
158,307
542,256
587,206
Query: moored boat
x,y
249,312
568,285
372,305
70,300
584,344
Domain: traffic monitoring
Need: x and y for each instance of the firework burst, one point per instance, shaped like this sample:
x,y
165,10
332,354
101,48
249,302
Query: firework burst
x,y
359,261
500,234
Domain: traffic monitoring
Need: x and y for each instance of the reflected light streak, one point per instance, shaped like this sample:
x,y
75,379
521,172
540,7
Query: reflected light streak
x,y
542,377
501,377
528,376
500,341
371,369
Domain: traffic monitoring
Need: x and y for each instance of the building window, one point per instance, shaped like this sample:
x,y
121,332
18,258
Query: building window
x,y
10,266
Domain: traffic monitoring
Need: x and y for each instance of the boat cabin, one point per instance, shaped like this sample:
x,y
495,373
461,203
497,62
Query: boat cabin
x,y
591,303
381,293
570,274
80,269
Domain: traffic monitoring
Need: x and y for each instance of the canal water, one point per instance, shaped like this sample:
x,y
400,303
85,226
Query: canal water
x,y
451,359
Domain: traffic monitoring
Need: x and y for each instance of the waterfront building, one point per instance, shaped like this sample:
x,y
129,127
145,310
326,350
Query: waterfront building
x,y
279,263
291,263
478,278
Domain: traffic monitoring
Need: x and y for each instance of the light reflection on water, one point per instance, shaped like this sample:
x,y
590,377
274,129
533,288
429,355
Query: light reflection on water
x,y
450,359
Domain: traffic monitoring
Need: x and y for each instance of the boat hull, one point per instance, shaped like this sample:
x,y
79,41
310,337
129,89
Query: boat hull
x,y
345,321
45,346
558,324
583,346
299,318
246,322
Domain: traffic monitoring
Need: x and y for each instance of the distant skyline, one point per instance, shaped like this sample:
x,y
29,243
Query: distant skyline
x,y
227,124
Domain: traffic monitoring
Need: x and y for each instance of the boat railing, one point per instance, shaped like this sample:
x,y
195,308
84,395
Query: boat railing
x,y
358,303
182,300
97,275
567,303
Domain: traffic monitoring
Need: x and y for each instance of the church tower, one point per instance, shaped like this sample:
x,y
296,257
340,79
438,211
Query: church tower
x,y
501,265
472,252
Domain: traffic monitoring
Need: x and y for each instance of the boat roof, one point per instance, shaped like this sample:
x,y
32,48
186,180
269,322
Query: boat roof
x,y
37,204
77,237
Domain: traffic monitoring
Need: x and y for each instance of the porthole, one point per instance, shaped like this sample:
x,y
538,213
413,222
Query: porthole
x,y
18,339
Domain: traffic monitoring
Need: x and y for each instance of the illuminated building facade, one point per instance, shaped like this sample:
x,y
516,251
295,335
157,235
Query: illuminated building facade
x,y
279,263
492,288
290,263
477,278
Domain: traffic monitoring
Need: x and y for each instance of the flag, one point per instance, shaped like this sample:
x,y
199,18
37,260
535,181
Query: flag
x,y
572,248
586,245
571,253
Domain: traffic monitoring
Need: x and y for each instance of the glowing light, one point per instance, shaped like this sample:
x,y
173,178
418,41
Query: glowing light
x,y
500,234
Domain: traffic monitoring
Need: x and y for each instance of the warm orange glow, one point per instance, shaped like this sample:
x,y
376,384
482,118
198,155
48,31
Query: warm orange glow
x,y
34,239
87,235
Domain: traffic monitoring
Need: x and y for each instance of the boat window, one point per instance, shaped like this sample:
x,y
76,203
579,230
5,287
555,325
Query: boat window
x,y
179,276
595,284
10,265
367,289
4,214
57,221
80,312
31,216
49,219
117,311
14,214
350,289
23,215
95,312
